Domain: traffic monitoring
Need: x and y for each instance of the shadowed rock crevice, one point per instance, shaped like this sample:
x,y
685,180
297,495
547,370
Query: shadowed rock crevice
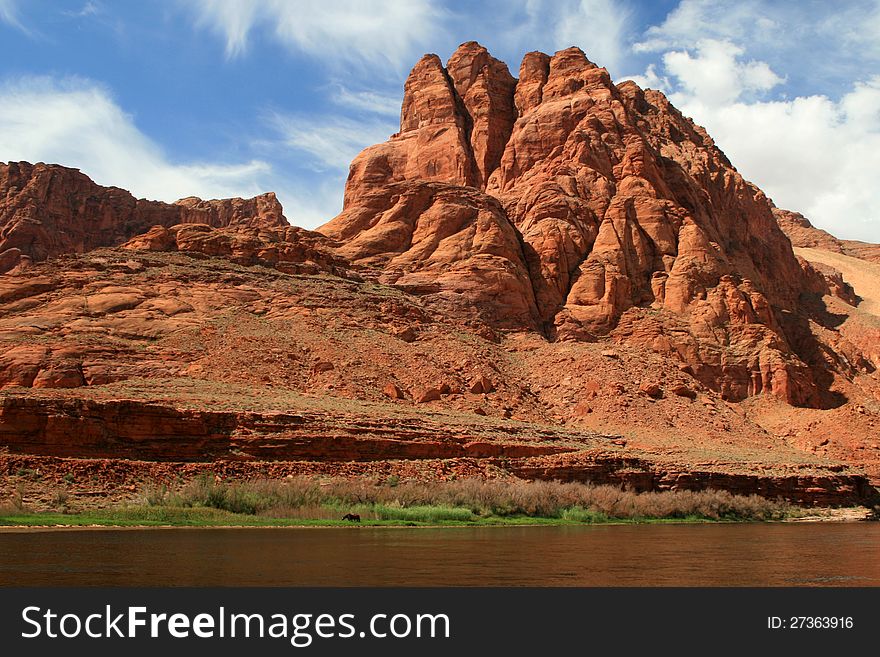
x,y
486,89
467,127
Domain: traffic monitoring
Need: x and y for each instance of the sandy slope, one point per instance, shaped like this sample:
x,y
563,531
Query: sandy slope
x,y
863,276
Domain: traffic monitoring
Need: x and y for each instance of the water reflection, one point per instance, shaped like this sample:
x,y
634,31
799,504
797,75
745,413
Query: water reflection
x,y
647,555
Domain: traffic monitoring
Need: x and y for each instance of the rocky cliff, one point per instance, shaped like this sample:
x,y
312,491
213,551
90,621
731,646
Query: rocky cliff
x,y
49,210
803,234
565,203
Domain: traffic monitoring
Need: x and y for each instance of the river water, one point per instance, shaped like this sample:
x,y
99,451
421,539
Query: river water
x,y
807,554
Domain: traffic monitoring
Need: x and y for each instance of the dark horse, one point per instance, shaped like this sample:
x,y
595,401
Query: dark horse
x,y
352,516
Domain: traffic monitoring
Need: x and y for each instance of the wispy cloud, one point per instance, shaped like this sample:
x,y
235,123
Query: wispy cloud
x,y
693,20
90,8
337,31
604,29
371,102
601,26
855,26
76,122
330,142
9,14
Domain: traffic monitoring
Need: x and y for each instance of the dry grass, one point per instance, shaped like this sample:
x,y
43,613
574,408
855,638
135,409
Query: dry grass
x,y
459,500
15,504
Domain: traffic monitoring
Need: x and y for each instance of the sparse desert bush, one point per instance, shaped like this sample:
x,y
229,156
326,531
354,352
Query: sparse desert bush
x,y
60,499
28,473
155,495
15,505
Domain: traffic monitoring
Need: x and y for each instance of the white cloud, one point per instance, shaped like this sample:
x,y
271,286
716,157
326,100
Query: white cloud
x,y
338,31
600,27
822,43
232,20
716,75
332,142
76,123
650,80
693,20
810,153
310,206
862,105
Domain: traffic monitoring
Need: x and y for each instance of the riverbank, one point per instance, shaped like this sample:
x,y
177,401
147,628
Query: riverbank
x,y
209,500
212,518
227,520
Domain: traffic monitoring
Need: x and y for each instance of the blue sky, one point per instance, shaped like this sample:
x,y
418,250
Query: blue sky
x,y
170,98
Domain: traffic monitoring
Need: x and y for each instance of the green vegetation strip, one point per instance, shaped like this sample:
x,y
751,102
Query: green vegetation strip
x,y
202,517
302,501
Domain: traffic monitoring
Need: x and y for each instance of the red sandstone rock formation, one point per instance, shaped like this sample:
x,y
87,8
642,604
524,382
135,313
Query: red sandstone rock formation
x,y
803,234
302,442
623,215
486,88
48,210
290,249
431,238
560,202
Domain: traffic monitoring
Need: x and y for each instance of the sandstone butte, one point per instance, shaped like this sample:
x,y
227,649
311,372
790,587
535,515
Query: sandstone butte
x,y
554,276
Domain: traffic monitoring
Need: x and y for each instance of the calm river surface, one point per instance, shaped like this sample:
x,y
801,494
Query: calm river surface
x,y
814,554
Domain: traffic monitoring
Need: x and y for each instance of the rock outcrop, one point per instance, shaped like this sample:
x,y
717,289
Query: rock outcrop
x,y
48,210
290,249
567,203
437,239
804,235
414,205
315,442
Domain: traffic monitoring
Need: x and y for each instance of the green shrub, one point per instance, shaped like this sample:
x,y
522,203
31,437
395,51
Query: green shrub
x,y
580,514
